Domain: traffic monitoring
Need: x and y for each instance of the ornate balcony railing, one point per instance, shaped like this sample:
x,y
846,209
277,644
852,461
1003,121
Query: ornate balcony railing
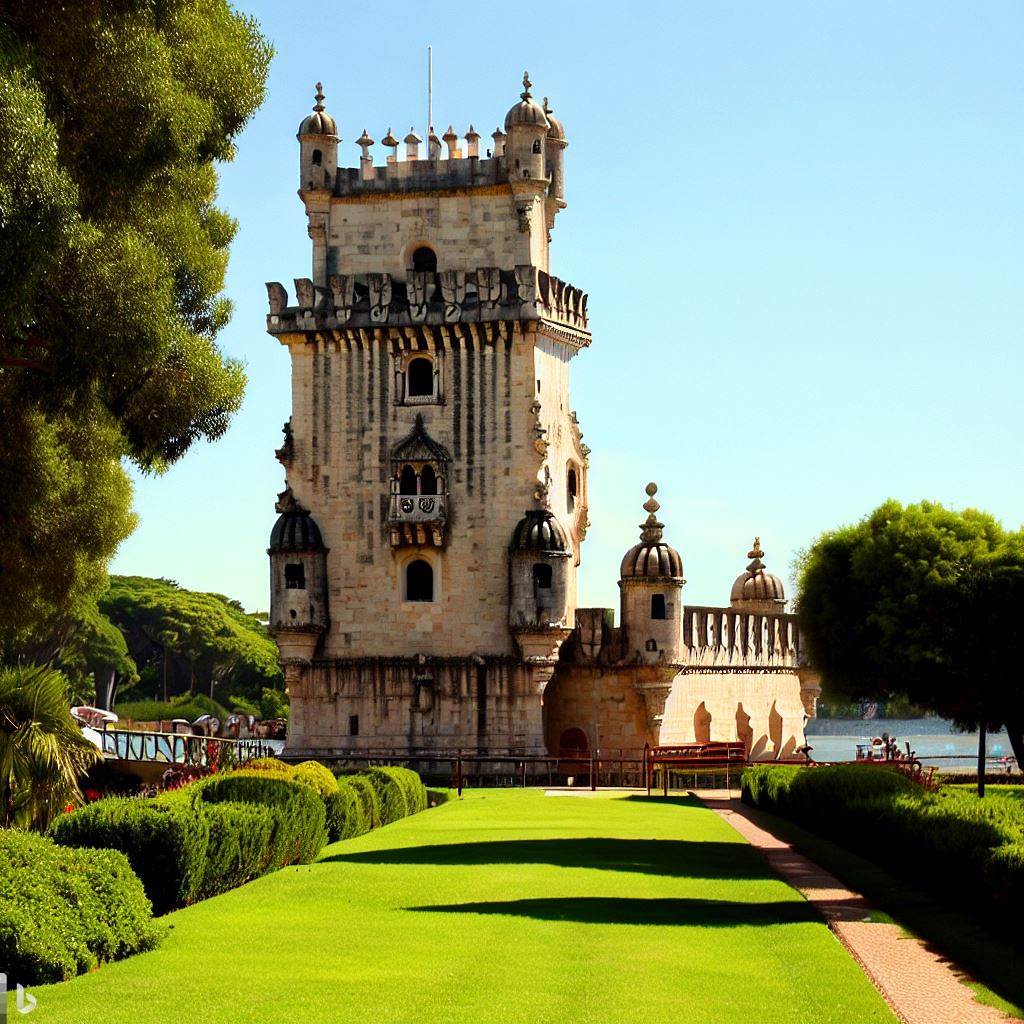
x,y
417,519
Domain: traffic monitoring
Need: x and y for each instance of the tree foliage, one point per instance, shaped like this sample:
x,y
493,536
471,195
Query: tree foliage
x,y
42,750
112,263
924,603
207,638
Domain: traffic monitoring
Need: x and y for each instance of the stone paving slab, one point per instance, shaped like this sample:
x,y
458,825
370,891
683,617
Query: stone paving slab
x,y
921,986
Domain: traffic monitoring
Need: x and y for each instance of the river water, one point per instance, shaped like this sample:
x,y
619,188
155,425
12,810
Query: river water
x,y
935,740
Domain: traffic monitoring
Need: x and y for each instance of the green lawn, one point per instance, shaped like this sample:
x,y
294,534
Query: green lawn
x,y
507,906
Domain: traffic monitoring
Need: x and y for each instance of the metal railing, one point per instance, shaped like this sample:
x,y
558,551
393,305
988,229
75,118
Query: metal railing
x,y
178,748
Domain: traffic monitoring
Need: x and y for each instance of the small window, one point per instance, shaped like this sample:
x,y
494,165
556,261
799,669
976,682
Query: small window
x,y
318,158
571,489
407,481
542,576
657,606
428,480
424,258
353,725
294,576
419,378
419,581
536,145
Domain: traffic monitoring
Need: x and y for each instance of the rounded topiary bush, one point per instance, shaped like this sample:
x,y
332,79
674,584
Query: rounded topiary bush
x,y
392,792
368,798
315,775
346,817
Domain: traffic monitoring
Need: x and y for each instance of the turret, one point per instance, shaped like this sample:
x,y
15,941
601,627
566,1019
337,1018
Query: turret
x,y
651,593
555,151
298,581
757,590
527,128
318,147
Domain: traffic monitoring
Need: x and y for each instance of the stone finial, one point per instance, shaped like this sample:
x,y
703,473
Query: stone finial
x,y
471,134
412,138
433,144
651,530
526,94
472,142
319,105
365,141
756,554
389,140
450,139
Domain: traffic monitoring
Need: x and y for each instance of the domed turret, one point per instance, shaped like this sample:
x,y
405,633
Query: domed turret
x,y
539,566
318,147
527,127
757,590
556,143
651,587
298,581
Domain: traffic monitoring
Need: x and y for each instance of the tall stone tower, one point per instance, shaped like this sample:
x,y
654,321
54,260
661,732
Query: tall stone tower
x,y
424,565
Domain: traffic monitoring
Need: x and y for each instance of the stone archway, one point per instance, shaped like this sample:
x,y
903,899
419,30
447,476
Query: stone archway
x,y
702,724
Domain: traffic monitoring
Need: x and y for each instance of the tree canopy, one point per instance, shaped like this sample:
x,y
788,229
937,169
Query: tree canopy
x,y
202,640
924,603
112,263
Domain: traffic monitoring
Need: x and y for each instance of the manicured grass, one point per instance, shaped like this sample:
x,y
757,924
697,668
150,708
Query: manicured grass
x,y
983,947
504,907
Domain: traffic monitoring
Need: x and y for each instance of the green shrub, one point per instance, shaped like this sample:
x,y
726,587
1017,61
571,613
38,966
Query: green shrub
x,y
240,845
368,798
346,817
268,764
184,706
924,836
314,774
63,911
299,832
165,841
412,786
393,802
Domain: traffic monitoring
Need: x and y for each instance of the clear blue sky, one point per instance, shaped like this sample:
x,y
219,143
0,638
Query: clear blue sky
x,y
800,226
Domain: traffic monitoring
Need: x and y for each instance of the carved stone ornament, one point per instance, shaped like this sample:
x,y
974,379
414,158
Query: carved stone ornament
x,y
523,213
278,297
453,291
420,283
380,296
342,288
305,294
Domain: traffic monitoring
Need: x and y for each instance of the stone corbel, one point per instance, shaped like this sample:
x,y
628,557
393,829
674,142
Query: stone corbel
x,y
305,293
523,213
277,294
380,296
526,283
342,295
418,287
488,287
453,291
655,694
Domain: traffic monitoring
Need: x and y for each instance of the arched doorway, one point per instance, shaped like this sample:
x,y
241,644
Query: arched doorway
x,y
573,744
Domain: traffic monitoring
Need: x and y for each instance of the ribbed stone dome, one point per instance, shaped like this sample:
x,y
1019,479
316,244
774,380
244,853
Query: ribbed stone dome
x,y
556,130
539,531
319,122
652,558
295,530
527,110
757,587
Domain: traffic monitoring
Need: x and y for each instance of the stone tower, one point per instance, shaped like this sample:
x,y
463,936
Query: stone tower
x,y
424,567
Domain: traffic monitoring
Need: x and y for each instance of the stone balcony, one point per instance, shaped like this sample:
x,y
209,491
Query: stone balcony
x,y
483,295
417,519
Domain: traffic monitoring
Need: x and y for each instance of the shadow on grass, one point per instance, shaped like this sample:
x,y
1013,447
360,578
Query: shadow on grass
x,y
616,910
675,857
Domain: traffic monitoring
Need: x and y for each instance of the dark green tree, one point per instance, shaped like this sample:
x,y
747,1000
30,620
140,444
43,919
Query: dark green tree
x,y
112,262
921,603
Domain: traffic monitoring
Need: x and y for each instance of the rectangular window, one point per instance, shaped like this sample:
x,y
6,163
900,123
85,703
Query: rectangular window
x,y
353,725
294,576
657,606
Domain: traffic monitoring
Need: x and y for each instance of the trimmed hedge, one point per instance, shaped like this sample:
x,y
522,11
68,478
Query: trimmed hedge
x,y
928,838
64,911
346,817
299,832
239,847
165,841
392,793
368,798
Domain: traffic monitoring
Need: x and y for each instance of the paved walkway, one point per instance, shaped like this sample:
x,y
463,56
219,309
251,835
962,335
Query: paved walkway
x,y
921,986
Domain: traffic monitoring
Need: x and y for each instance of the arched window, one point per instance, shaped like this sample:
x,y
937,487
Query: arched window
x,y
542,576
657,606
419,581
536,145
571,489
294,576
419,378
317,157
424,258
407,481
428,480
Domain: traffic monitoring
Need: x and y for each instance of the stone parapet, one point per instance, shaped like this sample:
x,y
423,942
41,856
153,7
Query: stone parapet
x,y
454,296
723,637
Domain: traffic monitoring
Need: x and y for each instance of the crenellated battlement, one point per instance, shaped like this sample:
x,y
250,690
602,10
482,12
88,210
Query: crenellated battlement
x,y
425,297
718,638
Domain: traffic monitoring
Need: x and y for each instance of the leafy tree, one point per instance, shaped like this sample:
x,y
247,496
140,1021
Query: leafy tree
x,y
96,659
112,262
920,603
215,641
42,750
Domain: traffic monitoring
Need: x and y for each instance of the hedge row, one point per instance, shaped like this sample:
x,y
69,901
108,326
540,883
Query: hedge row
x,y
64,911
204,839
946,841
